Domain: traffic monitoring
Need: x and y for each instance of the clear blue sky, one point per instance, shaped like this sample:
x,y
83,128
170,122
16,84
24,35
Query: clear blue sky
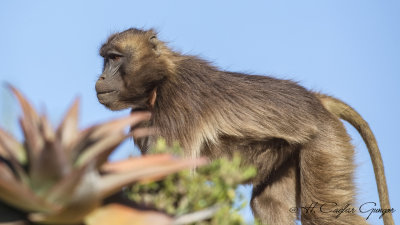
x,y
349,49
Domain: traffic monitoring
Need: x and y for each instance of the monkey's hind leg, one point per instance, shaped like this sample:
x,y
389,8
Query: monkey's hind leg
x,y
271,201
326,179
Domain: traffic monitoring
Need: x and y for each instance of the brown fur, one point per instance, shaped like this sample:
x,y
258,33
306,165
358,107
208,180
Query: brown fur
x,y
301,150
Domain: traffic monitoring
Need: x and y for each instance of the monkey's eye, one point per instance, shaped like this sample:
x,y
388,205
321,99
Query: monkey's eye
x,y
114,57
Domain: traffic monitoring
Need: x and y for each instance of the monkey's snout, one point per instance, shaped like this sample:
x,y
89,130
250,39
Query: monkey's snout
x,y
101,86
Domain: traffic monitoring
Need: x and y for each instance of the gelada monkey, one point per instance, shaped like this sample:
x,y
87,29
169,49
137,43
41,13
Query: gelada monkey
x,y
294,137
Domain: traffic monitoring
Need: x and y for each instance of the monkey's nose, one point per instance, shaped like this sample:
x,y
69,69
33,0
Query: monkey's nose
x,y
100,84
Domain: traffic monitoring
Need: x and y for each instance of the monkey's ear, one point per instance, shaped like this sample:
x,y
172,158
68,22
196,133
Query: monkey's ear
x,y
154,44
153,40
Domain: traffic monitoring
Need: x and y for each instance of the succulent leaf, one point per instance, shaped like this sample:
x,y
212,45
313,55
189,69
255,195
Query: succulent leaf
x,y
30,123
135,163
14,153
122,215
10,147
101,149
120,124
68,131
108,137
18,194
51,165
77,202
62,191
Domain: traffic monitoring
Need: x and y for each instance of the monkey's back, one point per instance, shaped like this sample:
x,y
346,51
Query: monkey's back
x,y
239,104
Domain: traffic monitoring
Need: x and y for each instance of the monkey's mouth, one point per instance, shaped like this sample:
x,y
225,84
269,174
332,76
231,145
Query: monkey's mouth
x,y
105,92
106,97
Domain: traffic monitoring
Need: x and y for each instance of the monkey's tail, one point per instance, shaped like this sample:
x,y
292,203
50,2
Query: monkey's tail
x,y
347,113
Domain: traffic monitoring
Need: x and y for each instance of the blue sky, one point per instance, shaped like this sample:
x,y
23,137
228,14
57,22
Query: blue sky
x,y
348,49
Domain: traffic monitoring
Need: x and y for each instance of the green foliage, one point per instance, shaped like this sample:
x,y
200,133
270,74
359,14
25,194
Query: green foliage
x,y
191,191
162,147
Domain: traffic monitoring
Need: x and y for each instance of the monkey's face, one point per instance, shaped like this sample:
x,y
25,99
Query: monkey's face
x,y
131,70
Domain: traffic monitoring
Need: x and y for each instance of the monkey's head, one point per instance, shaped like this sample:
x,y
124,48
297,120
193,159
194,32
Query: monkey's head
x,y
135,64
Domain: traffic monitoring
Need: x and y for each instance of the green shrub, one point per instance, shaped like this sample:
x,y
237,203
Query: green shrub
x,y
210,186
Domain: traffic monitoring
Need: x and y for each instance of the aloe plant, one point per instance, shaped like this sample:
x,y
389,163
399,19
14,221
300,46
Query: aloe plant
x,y
59,176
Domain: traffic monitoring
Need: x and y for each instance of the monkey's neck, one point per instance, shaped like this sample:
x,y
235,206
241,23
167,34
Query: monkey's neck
x,y
195,81
186,101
